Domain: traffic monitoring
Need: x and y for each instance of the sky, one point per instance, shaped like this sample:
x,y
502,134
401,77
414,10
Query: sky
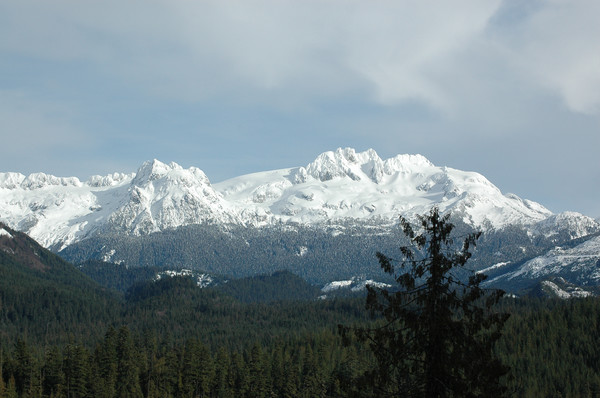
x,y
507,88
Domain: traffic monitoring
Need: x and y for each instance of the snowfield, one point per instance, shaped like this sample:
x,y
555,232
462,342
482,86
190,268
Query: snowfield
x,y
336,187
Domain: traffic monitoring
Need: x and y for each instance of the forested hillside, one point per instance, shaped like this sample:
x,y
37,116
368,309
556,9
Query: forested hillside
x,y
219,347
46,299
63,335
315,254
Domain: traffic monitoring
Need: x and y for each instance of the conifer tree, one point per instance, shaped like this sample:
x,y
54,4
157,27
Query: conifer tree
x,y
221,385
278,370
198,369
76,370
128,380
11,389
169,375
2,383
437,334
105,361
23,371
258,377
53,372
239,375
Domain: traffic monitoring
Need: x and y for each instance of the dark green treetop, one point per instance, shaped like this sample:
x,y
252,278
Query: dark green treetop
x,y
437,333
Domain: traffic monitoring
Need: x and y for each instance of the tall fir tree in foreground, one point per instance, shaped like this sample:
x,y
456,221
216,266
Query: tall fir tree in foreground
x,y
437,333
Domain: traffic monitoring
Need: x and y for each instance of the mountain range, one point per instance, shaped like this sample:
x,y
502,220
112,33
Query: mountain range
x,y
324,220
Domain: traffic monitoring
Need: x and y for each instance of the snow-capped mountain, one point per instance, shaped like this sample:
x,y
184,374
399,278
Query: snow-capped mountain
x,y
567,225
59,211
348,185
337,187
164,196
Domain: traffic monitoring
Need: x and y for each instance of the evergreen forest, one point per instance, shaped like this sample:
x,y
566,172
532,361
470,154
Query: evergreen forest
x,y
211,345
63,334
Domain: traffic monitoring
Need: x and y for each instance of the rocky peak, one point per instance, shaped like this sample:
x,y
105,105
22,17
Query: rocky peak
x,y
346,162
11,180
154,170
42,180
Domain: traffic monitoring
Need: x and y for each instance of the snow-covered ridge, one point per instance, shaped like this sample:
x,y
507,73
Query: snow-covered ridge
x,y
355,285
575,292
356,166
347,185
493,267
583,260
110,180
4,232
59,211
576,225
337,186
35,181
202,280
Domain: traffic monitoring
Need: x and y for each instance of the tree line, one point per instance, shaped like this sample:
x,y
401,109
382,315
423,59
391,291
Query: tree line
x,y
550,346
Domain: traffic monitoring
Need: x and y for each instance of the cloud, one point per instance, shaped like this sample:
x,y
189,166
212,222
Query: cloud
x,y
558,46
196,50
463,81
387,52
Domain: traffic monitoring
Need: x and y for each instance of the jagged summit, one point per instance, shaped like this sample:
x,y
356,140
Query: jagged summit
x,y
58,211
336,187
35,181
357,166
165,196
11,180
109,180
344,184
154,169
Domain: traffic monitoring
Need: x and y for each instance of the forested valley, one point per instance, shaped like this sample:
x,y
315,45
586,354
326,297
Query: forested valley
x,y
172,339
180,341
62,334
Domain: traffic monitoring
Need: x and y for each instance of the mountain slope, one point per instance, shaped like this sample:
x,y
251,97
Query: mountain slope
x,y
43,296
58,211
323,221
577,263
348,185
557,287
335,187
